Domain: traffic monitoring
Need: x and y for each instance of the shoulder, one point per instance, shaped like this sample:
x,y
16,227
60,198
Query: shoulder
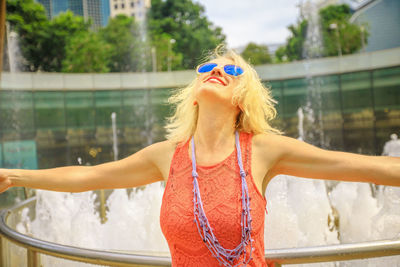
x,y
267,139
270,146
161,154
161,149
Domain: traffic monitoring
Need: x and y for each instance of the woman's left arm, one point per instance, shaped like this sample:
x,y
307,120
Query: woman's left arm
x,y
297,158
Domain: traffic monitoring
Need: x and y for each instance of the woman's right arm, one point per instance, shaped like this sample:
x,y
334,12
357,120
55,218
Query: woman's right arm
x,y
138,169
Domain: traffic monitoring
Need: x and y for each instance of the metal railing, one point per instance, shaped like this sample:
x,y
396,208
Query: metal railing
x,y
34,247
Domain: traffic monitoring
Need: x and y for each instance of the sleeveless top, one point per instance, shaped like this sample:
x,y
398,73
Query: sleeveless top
x,y
220,189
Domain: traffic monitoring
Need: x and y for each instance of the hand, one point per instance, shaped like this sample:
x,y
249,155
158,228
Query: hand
x,y
5,181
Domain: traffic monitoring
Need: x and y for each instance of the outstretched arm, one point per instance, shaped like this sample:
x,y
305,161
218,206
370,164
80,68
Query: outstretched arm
x,y
297,158
138,169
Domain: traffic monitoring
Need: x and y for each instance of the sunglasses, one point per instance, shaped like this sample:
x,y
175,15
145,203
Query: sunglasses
x,y
232,70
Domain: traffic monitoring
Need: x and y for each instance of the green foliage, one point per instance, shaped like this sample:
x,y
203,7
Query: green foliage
x,y
185,22
295,45
122,35
280,54
65,43
28,19
256,54
42,42
60,31
86,52
345,36
293,50
165,54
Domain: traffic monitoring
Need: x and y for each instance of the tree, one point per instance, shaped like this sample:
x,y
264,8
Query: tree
x,y
185,22
256,54
280,54
339,35
293,50
126,50
59,32
42,42
163,44
86,53
29,20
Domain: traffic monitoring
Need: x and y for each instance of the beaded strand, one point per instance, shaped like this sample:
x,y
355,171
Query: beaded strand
x,y
225,257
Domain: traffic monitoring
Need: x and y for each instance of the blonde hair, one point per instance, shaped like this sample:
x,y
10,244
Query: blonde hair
x,y
256,103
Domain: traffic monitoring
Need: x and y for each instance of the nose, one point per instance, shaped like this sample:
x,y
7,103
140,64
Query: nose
x,y
216,71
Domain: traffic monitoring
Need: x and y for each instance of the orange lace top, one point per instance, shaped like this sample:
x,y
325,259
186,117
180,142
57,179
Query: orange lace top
x,y
220,189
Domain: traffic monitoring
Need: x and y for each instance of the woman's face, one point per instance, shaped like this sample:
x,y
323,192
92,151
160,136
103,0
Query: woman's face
x,y
216,85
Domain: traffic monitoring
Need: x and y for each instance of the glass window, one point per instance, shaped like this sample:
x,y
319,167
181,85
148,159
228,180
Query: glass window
x,y
107,102
356,93
276,92
295,96
16,113
387,88
49,110
80,110
134,108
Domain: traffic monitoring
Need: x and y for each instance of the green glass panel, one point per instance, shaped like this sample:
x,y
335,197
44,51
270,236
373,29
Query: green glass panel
x,y
80,110
106,103
16,112
295,95
274,85
387,89
330,97
356,92
160,107
134,106
49,110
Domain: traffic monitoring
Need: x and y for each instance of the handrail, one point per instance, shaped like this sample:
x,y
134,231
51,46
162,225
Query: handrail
x,y
280,256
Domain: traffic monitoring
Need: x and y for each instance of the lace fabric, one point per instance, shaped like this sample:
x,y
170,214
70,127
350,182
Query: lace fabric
x,y
220,188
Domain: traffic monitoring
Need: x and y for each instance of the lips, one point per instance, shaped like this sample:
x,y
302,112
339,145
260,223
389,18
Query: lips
x,y
215,80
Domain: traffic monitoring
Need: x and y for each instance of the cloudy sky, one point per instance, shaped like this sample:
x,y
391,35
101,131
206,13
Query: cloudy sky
x,y
259,21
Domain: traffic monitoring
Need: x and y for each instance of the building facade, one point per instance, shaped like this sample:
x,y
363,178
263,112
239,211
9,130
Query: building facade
x,y
131,8
97,10
382,18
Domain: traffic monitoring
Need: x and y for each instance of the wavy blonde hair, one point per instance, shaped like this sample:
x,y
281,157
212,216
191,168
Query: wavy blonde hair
x,y
255,100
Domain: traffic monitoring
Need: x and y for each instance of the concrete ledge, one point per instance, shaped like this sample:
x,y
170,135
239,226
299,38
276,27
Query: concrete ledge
x,y
128,81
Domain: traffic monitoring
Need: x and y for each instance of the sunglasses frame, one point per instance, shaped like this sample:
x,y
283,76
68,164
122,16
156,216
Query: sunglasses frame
x,y
238,74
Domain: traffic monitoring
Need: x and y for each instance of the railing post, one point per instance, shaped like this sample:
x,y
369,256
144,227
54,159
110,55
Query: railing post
x,y
2,258
33,258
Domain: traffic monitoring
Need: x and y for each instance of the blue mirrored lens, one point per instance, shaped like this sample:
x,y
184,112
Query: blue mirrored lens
x,y
233,70
206,67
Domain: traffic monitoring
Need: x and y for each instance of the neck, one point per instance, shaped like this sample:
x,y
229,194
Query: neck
x,y
215,130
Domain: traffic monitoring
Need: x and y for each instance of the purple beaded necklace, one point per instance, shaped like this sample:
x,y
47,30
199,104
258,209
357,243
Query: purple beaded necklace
x,y
226,257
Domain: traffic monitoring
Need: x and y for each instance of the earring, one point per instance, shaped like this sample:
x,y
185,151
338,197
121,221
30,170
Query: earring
x,y
194,103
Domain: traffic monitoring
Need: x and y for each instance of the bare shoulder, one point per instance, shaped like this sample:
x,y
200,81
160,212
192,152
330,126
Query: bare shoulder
x,y
269,143
161,154
268,149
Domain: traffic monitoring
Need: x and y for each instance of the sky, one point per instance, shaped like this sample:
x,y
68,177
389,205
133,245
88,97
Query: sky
x,y
259,21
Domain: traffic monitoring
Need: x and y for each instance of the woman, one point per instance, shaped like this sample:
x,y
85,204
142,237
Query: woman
x,y
218,159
